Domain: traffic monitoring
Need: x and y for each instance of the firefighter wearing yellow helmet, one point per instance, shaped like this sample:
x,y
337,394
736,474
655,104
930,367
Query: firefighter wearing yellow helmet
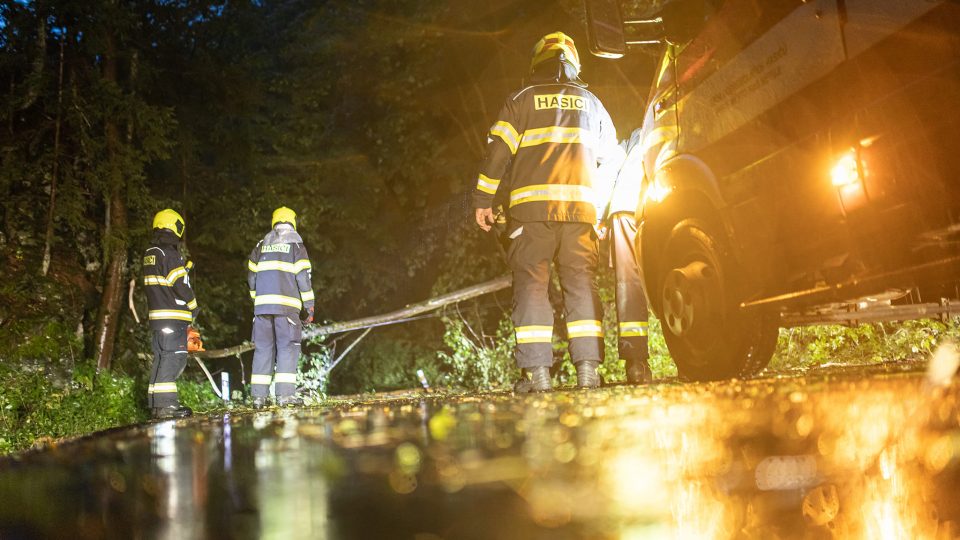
x,y
172,308
556,46
551,156
279,276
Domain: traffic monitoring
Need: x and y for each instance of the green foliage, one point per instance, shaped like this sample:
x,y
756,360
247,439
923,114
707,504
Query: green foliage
x,y
475,360
34,409
33,341
867,343
312,373
198,394
388,359
660,362
38,318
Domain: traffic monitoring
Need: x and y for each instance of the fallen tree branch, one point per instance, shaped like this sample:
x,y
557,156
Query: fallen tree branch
x,y
344,353
133,309
209,377
393,317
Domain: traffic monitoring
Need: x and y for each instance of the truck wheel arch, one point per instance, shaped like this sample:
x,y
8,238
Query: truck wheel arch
x,y
692,193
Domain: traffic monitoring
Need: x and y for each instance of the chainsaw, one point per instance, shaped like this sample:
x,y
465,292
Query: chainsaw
x,y
194,343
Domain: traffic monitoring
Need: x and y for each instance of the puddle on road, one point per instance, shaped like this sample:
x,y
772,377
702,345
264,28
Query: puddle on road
x,y
795,458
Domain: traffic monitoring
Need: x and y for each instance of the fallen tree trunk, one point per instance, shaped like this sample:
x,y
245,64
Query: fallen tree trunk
x,y
394,317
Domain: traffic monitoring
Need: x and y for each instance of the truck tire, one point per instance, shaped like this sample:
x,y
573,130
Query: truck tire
x,y
709,336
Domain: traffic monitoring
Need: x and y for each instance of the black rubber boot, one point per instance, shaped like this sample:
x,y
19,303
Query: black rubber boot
x,y
639,372
260,403
587,376
172,411
289,401
539,381
523,386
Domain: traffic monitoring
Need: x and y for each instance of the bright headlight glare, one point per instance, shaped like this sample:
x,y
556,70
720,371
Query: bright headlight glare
x,y
846,172
656,192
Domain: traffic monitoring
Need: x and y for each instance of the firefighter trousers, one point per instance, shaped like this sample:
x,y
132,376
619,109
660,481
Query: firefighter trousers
x,y
169,359
574,247
276,338
632,312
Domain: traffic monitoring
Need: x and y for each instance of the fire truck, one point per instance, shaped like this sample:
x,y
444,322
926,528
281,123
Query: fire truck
x,y
801,161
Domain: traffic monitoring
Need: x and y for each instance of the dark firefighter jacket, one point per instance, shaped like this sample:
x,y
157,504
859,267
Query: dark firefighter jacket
x,y
545,149
279,273
170,298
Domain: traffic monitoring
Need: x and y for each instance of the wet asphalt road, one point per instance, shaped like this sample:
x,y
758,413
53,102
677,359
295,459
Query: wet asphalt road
x,y
836,453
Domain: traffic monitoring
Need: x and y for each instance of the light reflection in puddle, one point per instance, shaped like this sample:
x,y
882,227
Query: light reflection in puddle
x,y
791,459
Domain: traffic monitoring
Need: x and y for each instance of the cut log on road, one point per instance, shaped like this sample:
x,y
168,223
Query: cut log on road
x,y
394,317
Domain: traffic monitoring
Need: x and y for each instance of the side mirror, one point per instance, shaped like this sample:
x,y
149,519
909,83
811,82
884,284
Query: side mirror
x,y
605,28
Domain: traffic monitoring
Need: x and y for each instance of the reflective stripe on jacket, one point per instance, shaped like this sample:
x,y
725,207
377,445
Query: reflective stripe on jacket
x,y
170,298
279,274
544,151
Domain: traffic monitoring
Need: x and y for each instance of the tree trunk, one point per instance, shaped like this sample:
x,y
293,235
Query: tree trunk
x,y
115,240
55,173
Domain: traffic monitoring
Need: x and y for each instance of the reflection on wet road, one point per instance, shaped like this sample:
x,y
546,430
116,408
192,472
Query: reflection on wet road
x,y
835,455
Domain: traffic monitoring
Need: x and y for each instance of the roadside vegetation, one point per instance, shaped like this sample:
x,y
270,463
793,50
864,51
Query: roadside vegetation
x,y
813,346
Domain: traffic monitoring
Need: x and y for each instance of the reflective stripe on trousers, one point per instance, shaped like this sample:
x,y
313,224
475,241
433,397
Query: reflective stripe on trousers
x,y
169,359
530,254
276,341
631,301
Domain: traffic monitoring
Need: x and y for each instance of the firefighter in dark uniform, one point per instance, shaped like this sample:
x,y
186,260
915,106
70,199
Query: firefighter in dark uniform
x,y
554,150
632,314
172,308
280,286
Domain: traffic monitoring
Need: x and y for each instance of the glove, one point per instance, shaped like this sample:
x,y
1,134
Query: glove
x,y
308,318
194,343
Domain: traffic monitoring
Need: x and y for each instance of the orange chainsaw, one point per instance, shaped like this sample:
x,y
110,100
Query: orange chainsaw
x,y
194,343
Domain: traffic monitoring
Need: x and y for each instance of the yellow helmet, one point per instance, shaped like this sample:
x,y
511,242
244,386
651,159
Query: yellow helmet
x,y
553,45
171,220
284,215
